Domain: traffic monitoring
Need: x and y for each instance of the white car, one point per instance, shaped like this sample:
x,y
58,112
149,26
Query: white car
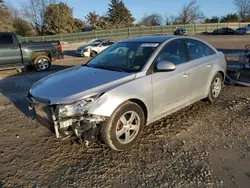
x,y
243,31
94,48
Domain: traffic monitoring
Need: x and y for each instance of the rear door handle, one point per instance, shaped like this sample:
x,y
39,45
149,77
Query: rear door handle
x,y
209,65
14,48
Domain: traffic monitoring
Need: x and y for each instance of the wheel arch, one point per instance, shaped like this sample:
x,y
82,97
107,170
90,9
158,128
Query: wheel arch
x,y
222,74
143,107
41,53
104,108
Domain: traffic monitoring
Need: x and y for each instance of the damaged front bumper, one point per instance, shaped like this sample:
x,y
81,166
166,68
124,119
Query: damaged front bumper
x,y
84,128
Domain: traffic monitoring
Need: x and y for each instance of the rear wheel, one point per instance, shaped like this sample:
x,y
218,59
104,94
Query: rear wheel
x,y
42,63
215,88
124,127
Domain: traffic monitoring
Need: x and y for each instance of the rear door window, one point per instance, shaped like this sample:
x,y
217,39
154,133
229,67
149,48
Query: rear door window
x,y
197,49
6,39
173,52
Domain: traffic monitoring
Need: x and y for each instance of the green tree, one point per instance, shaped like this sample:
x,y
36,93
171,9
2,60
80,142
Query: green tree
x,y
77,25
6,22
119,15
230,18
22,27
93,19
59,18
214,19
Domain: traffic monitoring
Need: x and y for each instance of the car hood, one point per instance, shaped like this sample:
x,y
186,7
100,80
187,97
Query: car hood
x,y
83,47
75,83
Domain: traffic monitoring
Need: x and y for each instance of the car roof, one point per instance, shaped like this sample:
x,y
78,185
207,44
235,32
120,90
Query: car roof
x,y
158,39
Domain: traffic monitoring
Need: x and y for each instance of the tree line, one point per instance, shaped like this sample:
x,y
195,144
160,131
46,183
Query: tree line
x,y
40,17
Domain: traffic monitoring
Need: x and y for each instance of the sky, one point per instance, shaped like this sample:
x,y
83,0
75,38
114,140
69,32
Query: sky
x,y
139,8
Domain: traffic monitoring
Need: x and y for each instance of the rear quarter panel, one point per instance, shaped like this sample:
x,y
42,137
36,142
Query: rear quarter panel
x,y
29,49
219,65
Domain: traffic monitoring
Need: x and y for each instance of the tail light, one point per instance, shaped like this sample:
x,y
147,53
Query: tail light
x,y
59,47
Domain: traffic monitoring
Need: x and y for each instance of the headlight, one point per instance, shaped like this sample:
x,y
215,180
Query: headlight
x,y
75,109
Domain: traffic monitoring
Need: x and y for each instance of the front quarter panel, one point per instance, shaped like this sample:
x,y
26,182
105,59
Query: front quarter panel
x,y
137,89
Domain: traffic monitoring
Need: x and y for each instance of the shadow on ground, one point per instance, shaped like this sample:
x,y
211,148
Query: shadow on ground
x,y
71,53
14,88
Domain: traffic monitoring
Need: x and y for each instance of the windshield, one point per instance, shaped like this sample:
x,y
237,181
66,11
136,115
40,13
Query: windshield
x,y
124,56
95,43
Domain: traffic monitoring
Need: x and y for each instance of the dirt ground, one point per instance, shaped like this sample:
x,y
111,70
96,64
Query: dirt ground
x,y
202,145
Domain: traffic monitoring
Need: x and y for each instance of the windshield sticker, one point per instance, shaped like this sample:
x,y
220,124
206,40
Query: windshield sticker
x,y
149,45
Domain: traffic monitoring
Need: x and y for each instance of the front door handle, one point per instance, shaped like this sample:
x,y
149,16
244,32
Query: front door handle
x,y
209,65
185,75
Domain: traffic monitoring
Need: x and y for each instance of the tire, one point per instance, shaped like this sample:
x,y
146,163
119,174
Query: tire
x,y
118,136
215,88
42,63
93,54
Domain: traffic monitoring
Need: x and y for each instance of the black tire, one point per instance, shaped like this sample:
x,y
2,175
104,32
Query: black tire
x,y
42,63
93,54
211,96
109,129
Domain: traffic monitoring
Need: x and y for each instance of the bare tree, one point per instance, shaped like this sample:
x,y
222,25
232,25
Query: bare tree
x,y
34,12
170,19
243,7
152,20
190,13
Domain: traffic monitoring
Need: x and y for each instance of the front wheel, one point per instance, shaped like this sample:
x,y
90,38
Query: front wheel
x,y
215,88
124,127
93,54
42,63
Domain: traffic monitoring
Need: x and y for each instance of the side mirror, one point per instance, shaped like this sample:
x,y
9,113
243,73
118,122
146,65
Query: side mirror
x,y
164,66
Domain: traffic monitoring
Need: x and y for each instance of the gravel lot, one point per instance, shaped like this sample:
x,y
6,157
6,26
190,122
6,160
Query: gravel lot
x,y
200,146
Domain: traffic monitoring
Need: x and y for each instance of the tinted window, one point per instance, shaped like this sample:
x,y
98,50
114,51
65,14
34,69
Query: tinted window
x,y
173,52
6,39
110,43
198,49
106,43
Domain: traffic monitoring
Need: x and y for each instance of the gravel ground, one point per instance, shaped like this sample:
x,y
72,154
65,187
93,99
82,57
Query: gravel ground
x,y
202,145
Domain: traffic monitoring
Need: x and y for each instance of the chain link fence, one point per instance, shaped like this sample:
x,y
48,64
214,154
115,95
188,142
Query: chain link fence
x,y
123,33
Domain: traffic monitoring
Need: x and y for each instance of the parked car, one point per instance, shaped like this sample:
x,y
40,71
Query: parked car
x,y
94,48
224,31
115,95
36,54
243,31
181,31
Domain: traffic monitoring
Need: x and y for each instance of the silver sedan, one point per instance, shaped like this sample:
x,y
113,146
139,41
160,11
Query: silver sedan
x,y
128,86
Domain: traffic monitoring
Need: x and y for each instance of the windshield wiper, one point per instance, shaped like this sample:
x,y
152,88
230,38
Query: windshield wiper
x,y
108,68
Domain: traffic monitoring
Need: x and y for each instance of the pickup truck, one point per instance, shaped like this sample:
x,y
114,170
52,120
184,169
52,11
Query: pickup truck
x,y
38,55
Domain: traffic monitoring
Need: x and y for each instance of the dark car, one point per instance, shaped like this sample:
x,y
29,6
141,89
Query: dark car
x,y
224,31
181,31
30,54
